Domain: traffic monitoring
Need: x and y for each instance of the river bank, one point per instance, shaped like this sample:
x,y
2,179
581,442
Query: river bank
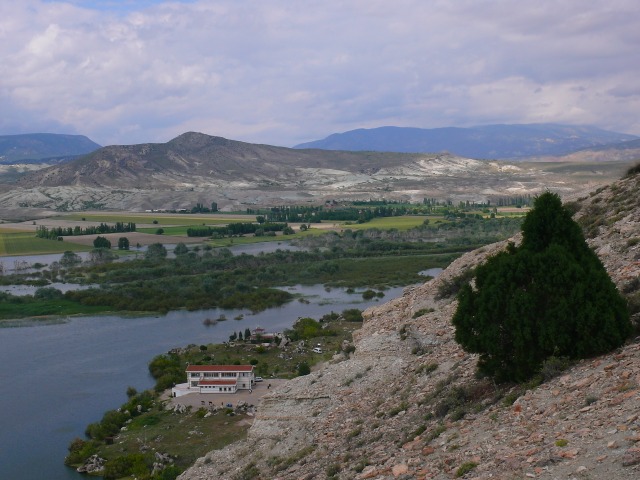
x,y
56,379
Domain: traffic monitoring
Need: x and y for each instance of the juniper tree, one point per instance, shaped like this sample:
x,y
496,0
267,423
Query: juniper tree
x,y
549,296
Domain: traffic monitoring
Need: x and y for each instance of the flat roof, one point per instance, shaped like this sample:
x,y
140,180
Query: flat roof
x,y
220,368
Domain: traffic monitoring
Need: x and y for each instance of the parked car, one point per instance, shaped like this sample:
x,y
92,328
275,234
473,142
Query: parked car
x,y
317,350
258,379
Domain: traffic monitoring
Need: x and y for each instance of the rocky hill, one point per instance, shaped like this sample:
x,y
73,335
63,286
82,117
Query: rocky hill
x,y
407,404
501,142
38,147
196,168
625,151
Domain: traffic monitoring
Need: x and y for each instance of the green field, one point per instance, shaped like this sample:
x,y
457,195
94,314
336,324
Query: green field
x,y
385,223
28,244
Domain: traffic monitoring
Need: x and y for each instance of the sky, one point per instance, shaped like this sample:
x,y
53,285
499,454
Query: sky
x,y
283,72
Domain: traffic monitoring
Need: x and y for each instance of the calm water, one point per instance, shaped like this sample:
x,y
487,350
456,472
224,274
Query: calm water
x,y
56,379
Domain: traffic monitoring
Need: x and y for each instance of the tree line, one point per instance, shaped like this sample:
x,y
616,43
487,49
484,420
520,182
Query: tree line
x,y
54,232
309,214
235,229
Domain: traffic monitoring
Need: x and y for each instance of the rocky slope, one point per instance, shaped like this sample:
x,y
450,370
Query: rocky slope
x,y
406,404
196,168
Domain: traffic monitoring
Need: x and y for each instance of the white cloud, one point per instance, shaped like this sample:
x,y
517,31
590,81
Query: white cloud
x,y
285,71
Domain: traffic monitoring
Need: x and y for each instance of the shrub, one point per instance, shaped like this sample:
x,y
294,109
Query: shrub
x,y
465,468
333,470
448,288
201,412
155,251
79,451
133,464
368,294
421,312
633,170
352,315
303,369
48,293
70,259
554,366
549,296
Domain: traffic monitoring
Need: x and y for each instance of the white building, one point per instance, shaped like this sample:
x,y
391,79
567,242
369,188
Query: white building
x,y
219,378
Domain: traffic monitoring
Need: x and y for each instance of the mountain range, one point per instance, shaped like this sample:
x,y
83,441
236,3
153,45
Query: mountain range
x,y
500,142
43,147
195,167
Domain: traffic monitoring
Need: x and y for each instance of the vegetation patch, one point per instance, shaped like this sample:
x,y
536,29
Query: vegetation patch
x,y
27,244
465,468
551,296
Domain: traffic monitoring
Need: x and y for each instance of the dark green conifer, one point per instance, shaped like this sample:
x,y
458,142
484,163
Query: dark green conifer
x,y
549,296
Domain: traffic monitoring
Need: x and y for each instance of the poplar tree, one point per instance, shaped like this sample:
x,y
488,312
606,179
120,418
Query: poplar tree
x,y
550,296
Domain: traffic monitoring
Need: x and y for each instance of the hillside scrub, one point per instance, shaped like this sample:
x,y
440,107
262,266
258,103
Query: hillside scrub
x,y
549,296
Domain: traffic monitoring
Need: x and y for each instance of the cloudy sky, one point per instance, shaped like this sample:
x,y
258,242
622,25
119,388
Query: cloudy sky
x,y
284,72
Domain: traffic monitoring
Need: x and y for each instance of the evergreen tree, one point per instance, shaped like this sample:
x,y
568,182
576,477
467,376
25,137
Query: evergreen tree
x,y
123,243
101,242
549,296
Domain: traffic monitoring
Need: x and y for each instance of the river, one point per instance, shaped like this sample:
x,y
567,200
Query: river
x,y
55,379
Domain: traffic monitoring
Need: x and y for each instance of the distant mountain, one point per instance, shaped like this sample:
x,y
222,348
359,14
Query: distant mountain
x,y
200,168
194,158
483,142
617,152
38,147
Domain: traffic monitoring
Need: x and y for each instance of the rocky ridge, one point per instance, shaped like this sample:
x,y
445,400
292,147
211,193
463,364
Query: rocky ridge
x,y
407,404
200,168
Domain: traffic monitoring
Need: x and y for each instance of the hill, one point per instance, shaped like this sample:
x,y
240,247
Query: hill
x,y
196,168
481,142
618,152
37,147
407,403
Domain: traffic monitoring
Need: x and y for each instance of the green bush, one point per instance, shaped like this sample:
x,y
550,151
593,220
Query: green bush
x,y
465,468
79,451
352,315
168,473
633,170
303,369
134,464
368,294
549,296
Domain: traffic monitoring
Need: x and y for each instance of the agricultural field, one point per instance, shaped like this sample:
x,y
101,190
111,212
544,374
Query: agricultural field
x,y
26,243
385,223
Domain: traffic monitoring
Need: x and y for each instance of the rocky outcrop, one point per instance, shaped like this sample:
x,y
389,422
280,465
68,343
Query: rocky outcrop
x,y
407,403
94,465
